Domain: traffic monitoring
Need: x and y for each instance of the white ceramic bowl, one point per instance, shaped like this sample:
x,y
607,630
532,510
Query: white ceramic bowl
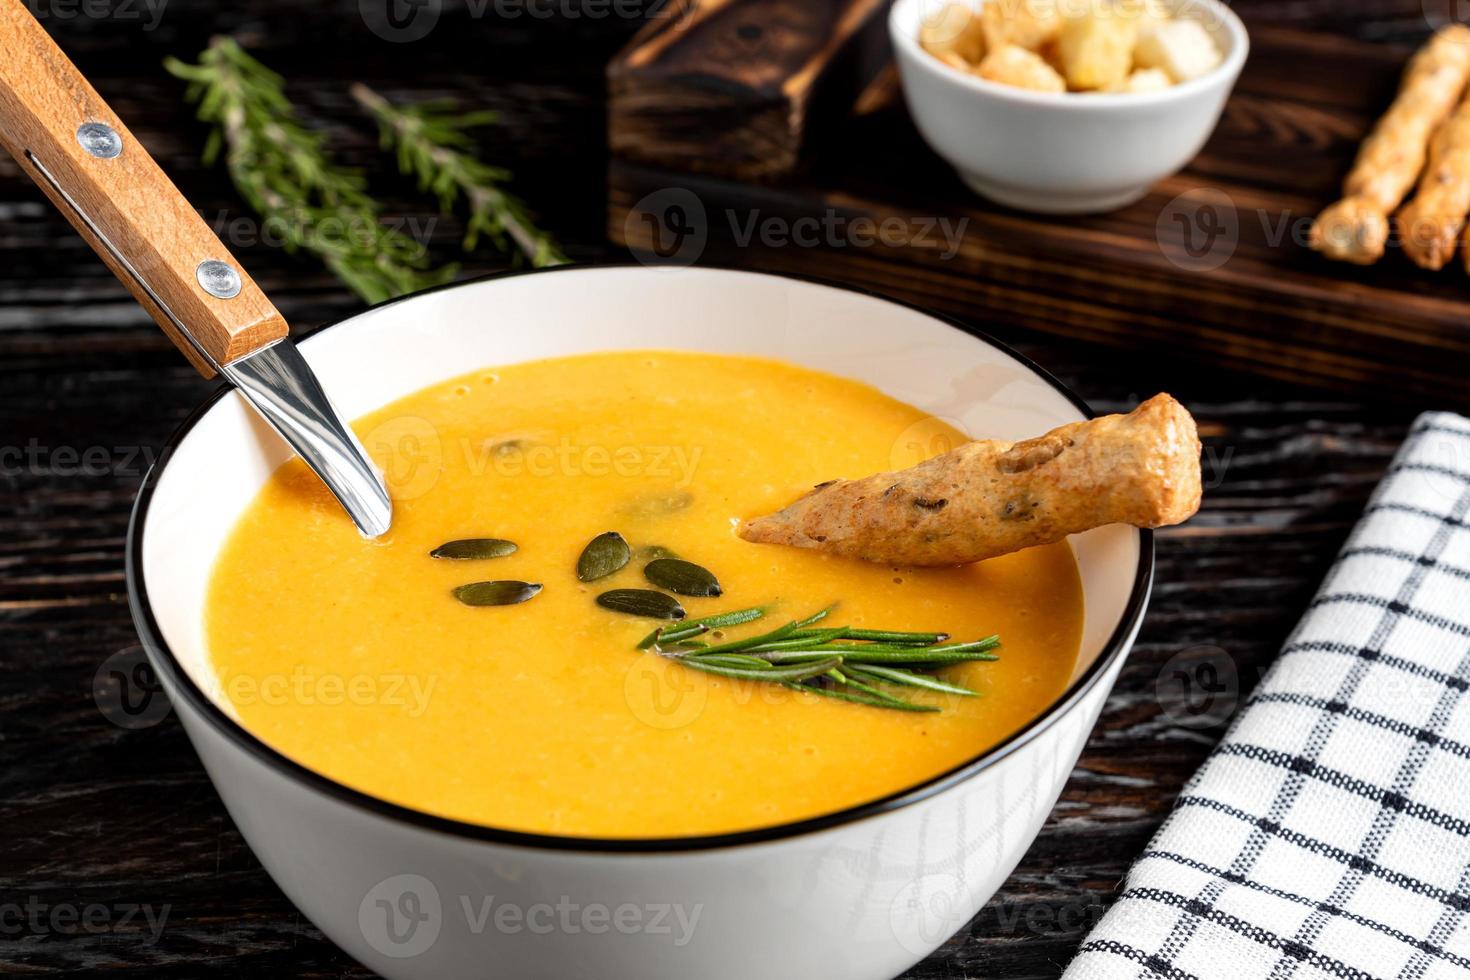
x,y
1063,153
861,893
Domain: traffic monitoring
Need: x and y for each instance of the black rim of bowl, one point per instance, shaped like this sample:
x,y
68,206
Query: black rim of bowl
x,y
179,684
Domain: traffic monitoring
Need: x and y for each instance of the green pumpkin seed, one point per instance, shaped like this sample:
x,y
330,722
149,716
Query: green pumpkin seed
x,y
649,552
504,592
642,602
467,549
509,447
682,577
603,555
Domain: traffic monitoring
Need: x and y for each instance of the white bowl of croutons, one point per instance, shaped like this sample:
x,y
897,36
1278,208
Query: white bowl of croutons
x,y
1066,106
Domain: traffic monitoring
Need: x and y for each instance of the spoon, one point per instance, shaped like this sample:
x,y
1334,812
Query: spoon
x,y
66,139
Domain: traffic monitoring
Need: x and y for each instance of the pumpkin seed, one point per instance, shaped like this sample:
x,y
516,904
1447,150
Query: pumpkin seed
x,y
466,549
509,447
682,577
649,552
642,602
603,555
504,592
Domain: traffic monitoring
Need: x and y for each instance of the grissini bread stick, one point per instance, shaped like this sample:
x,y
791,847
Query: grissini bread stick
x,y
1355,228
989,497
1430,224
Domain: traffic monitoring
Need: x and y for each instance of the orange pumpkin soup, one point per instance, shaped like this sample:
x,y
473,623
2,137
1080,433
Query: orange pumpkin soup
x,y
356,659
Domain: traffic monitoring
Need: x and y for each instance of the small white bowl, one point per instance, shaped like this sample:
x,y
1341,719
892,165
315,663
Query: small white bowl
x,y
860,893
1063,153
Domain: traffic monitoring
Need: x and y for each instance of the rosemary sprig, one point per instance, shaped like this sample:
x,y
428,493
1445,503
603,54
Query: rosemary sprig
x,y
843,695
286,175
839,662
694,627
771,637
873,653
432,143
908,678
792,674
889,636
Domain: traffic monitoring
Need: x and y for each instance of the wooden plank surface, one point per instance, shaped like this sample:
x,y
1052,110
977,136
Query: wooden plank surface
x,y
1213,262
741,88
89,389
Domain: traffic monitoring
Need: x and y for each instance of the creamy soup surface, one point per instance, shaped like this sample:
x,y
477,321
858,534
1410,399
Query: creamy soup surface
x,y
355,659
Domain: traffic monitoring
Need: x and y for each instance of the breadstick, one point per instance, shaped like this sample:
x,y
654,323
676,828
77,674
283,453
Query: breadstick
x,y
1355,229
989,498
1430,225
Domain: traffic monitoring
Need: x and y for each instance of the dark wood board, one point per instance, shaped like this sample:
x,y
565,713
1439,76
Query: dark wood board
x,y
1212,262
96,813
741,89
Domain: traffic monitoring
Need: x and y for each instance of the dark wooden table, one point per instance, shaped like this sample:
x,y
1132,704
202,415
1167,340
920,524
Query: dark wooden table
x,y
96,814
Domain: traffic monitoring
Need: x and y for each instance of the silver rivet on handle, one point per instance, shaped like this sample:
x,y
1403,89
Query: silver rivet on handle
x,y
218,279
100,140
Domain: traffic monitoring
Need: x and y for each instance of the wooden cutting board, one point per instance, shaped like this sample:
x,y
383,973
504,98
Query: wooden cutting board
x,y
1211,263
741,87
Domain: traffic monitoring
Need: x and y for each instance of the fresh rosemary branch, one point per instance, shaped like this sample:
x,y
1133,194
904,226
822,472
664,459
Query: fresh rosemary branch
x,y
853,660
432,143
694,627
285,173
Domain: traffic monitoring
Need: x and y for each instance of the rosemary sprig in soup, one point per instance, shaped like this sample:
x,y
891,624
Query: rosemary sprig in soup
x,y
843,662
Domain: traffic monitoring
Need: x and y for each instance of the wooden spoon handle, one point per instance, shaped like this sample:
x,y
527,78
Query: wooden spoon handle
x,y
97,174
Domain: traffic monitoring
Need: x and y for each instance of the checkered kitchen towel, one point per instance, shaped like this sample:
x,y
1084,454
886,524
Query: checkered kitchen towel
x,y
1329,833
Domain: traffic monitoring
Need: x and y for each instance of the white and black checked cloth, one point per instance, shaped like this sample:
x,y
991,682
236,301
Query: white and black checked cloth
x,y
1328,835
